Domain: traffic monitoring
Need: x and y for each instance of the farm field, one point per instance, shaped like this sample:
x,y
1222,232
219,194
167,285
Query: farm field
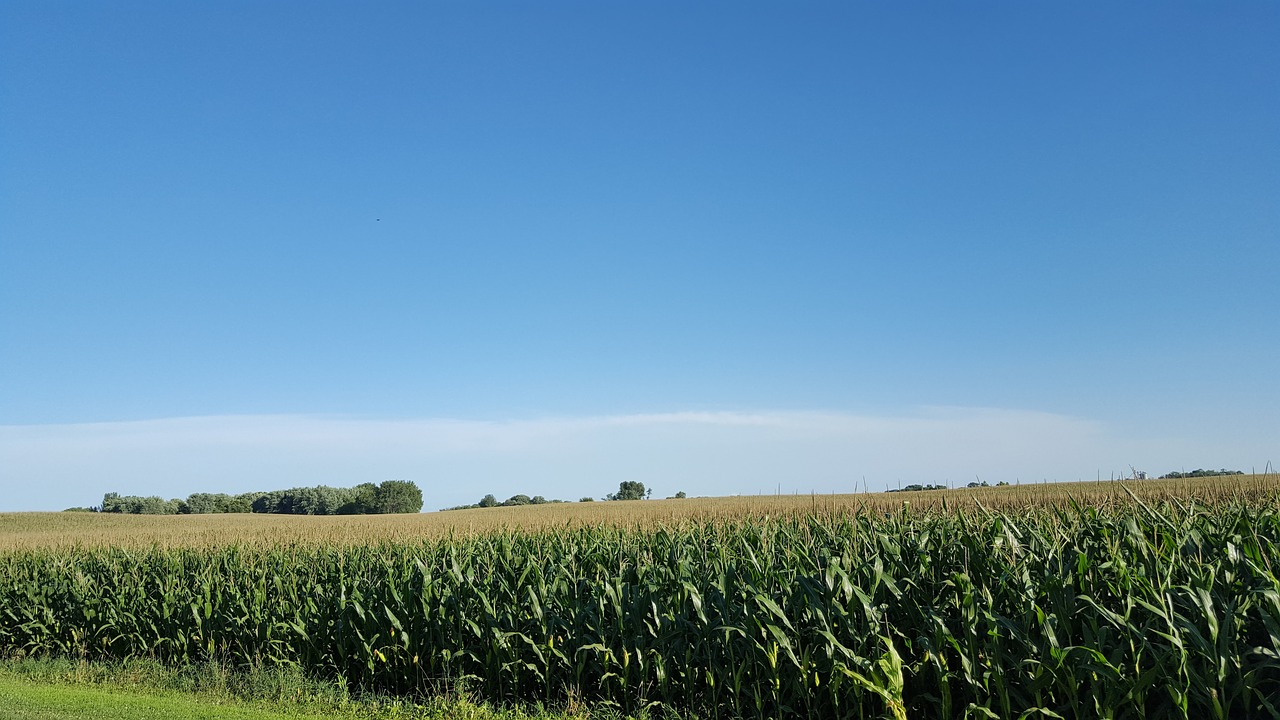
x,y
1148,599
49,530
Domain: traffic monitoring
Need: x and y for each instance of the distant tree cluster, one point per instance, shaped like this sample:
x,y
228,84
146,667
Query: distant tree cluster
x,y
138,505
392,496
1198,473
917,488
628,490
491,501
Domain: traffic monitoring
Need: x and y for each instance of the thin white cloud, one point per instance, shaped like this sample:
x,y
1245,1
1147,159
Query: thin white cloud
x,y
457,461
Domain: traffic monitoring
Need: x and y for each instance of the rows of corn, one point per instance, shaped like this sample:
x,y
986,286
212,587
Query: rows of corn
x,y
1134,611
45,530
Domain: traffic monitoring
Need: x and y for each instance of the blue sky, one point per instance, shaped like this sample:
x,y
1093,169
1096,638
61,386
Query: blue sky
x,y
729,246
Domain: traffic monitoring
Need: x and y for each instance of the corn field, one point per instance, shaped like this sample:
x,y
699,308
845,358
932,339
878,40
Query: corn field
x,y
52,530
1168,610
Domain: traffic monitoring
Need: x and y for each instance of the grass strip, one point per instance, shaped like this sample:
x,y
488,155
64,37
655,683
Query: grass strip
x,y
64,689
22,699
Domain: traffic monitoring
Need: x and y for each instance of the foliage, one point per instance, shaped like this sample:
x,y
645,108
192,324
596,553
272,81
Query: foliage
x,y
917,488
396,496
392,496
513,501
319,500
213,503
628,490
137,505
1199,473
1134,610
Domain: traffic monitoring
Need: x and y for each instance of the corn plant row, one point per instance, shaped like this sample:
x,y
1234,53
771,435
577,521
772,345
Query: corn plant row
x,y
1078,612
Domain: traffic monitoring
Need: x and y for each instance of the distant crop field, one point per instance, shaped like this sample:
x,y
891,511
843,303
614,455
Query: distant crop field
x,y
48,530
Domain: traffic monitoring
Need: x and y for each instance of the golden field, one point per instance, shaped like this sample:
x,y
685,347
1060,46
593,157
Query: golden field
x,y
65,529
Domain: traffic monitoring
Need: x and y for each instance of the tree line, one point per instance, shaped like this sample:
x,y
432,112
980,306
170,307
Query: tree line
x,y
392,496
627,490
1199,473
491,501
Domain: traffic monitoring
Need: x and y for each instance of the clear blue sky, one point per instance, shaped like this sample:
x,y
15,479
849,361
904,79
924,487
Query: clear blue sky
x,y
612,215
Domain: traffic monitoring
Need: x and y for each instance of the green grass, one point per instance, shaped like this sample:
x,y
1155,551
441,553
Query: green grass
x,y
61,689
22,699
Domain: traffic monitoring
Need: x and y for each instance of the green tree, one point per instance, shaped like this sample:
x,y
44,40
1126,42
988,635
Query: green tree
x,y
246,500
363,499
393,496
111,503
270,502
206,503
237,504
319,500
488,501
200,504
397,496
629,490
138,505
